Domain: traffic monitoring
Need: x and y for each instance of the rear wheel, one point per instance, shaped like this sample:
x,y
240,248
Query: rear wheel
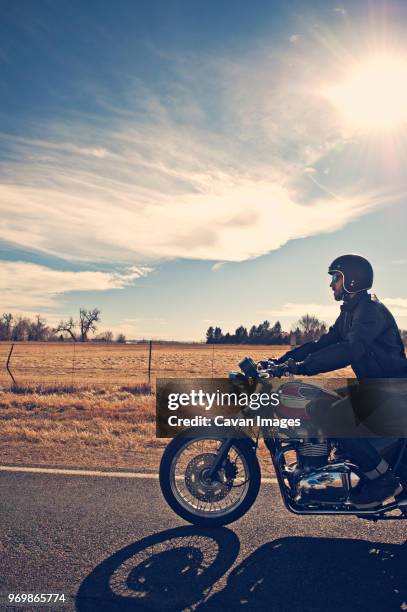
x,y
196,497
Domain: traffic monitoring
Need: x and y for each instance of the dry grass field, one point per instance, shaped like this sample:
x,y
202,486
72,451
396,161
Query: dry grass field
x,y
89,405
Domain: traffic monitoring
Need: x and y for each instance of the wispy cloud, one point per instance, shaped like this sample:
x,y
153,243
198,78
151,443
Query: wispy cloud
x,y
206,171
29,287
218,265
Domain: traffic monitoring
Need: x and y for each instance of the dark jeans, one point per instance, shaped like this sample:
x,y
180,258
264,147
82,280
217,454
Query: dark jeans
x,y
380,399
382,405
377,406
342,416
361,452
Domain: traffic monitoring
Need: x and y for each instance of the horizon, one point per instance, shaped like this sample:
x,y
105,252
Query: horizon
x,y
97,336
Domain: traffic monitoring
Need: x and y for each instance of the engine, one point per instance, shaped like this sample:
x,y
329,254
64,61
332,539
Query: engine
x,y
313,454
316,479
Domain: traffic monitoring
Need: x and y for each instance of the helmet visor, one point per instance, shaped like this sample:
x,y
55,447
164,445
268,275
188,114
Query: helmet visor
x,y
335,277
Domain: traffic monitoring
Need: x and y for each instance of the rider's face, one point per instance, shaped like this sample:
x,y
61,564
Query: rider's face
x,y
337,286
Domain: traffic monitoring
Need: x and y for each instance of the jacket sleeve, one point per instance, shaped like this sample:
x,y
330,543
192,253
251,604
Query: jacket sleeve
x,y
300,353
368,323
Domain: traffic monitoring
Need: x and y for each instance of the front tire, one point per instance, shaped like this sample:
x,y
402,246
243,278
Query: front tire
x,y
190,497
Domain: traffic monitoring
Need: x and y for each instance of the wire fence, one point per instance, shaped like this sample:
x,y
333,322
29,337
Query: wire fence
x,y
83,364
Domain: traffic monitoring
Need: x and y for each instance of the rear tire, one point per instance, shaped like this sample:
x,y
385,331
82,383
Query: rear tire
x,y
184,508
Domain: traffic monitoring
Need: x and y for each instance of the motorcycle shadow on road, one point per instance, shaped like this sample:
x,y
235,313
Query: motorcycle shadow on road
x,y
318,574
179,568
169,570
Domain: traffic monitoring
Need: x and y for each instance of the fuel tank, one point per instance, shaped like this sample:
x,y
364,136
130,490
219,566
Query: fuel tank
x,y
296,396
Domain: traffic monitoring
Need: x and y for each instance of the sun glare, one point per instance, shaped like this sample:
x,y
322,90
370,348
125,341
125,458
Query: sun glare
x,y
374,95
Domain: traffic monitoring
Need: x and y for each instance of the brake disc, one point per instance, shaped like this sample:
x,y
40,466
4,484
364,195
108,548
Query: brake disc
x,y
201,485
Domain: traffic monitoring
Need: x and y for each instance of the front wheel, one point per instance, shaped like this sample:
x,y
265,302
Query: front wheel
x,y
194,495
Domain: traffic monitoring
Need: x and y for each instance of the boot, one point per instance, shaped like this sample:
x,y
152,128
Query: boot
x,y
371,493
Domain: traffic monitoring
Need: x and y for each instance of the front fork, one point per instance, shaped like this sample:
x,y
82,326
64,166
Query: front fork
x,y
221,456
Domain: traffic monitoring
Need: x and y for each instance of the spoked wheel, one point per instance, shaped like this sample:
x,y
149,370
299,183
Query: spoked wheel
x,y
197,497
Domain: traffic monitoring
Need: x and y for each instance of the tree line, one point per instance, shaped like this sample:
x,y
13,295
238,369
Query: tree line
x,y
17,328
309,328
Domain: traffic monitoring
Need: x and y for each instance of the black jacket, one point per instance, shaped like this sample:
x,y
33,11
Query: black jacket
x,y
364,336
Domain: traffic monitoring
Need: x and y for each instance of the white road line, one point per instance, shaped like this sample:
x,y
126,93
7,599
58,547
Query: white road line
x,y
40,470
66,471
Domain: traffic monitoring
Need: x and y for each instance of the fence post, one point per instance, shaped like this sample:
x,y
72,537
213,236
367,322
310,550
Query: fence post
x,y
149,360
73,363
7,365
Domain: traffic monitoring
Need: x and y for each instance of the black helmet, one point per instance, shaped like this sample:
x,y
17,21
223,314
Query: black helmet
x,y
356,271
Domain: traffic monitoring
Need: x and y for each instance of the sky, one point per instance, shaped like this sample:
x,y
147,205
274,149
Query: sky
x,y
182,164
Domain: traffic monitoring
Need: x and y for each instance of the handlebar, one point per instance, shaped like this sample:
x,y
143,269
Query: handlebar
x,y
257,371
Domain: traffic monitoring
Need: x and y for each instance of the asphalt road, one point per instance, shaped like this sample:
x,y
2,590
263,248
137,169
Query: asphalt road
x,y
113,544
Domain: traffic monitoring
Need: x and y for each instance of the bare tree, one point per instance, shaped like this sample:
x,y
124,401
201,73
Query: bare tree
x,y
67,326
106,336
311,326
5,326
21,329
87,322
38,329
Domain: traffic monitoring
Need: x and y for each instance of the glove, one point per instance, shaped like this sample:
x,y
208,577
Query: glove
x,y
279,370
265,364
295,367
288,367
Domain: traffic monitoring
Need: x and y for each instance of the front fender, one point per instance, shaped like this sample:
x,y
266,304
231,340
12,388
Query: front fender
x,y
218,433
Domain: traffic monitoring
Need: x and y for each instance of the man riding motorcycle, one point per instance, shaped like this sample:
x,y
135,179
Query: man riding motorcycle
x,y
366,337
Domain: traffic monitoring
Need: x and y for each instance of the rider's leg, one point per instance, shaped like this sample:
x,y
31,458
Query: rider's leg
x,y
365,456
379,482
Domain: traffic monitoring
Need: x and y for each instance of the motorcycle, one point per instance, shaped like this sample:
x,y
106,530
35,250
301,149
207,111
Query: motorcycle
x,y
212,480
